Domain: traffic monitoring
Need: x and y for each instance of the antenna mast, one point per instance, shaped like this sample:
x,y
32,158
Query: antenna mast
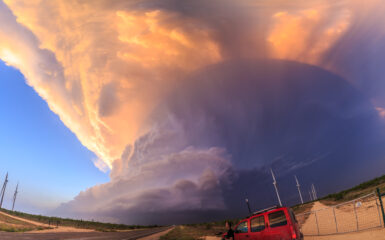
x,y
299,190
275,186
15,195
248,205
3,190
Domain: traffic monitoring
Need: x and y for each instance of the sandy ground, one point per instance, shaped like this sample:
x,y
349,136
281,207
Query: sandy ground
x,y
55,229
374,234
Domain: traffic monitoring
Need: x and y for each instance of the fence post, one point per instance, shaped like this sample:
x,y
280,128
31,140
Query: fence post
x,y
379,213
382,206
335,219
316,221
355,213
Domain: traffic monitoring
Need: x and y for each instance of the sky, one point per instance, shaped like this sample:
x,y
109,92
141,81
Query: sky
x,y
38,151
123,111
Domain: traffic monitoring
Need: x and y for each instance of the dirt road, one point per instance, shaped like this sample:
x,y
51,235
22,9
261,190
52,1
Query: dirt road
x,y
131,235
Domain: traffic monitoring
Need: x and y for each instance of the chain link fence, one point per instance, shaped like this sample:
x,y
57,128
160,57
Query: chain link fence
x,y
359,214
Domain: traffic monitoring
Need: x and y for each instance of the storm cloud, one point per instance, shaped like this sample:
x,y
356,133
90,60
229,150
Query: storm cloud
x,y
219,134
189,103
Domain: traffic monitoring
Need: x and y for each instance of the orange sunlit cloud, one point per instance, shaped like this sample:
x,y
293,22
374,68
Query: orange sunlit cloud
x,y
112,78
304,36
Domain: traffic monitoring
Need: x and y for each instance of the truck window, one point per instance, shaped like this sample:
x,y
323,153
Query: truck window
x,y
277,219
242,227
257,224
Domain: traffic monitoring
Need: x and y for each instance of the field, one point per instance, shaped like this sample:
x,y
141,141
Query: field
x,y
9,224
73,223
355,192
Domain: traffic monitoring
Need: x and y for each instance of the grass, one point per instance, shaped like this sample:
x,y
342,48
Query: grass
x,y
356,192
11,228
9,224
67,222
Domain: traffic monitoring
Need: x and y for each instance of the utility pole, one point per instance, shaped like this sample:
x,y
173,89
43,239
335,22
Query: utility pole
x,y
314,192
14,196
299,190
3,190
311,199
275,186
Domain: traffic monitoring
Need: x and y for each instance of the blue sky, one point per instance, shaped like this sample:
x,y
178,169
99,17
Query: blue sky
x,y
38,150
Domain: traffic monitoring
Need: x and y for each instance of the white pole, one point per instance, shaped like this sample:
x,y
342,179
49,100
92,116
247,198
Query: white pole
x,y
314,192
275,186
311,199
14,196
299,190
3,190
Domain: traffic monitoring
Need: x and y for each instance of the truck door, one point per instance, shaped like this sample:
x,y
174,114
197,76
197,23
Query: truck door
x,y
257,227
279,228
242,231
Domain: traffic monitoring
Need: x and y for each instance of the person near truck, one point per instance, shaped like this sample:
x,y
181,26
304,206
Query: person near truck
x,y
230,232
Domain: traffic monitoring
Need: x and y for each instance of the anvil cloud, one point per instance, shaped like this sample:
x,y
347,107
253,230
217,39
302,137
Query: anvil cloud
x,y
179,98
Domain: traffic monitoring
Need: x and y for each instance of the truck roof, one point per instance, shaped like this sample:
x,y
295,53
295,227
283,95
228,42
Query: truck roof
x,y
265,210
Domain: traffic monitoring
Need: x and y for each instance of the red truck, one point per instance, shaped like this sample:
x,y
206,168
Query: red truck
x,y
276,223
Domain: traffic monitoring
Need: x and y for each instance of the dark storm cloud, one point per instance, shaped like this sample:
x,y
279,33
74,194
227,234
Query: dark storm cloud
x,y
360,53
295,118
260,110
